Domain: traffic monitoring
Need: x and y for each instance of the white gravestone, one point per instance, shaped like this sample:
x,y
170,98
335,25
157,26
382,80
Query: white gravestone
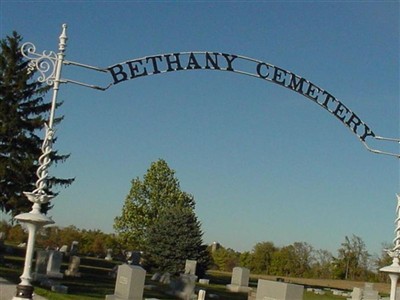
x,y
109,255
54,264
274,290
63,249
129,284
202,295
190,267
240,280
204,281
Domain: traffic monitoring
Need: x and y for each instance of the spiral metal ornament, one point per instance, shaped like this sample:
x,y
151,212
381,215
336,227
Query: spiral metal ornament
x,y
39,196
45,62
44,161
395,252
396,241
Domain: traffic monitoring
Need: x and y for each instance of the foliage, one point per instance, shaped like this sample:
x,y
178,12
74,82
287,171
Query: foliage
x,y
91,242
22,116
261,257
17,235
173,238
322,266
177,237
245,259
225,259
147,199
353,258
383,260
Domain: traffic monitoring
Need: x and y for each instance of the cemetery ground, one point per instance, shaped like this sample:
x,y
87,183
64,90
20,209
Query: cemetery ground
x,y
95,282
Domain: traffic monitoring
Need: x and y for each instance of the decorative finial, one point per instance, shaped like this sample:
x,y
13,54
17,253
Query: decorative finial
x,y
63,38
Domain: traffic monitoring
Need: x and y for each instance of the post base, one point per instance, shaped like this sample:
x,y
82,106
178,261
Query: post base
x,y
24,292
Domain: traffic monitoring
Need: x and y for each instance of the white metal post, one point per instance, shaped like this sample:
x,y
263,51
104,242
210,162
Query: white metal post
x,y
34,220
394,269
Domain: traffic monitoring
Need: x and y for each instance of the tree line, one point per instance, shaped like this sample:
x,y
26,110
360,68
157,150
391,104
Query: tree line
x,y
300,259
352,260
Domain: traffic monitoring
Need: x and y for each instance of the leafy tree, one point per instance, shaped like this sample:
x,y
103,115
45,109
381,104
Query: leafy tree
x,y
147,199
352,261
17,235
22,113
293,260
245,259
225,259
175,237
262,257
383,260
54,236
304,254
322,265
283,262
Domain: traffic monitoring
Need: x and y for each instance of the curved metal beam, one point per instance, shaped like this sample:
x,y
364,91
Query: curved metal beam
x,y
218,61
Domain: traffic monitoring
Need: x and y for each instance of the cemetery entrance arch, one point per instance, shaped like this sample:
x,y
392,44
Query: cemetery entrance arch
x,y
217,61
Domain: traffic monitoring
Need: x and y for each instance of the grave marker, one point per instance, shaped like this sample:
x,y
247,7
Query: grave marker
x,y
190,267
274,290
42,258
129,284
240,280
54,264
73,267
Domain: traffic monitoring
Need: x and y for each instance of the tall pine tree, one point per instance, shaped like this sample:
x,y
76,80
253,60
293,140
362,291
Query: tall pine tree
x,y
23,113
174,237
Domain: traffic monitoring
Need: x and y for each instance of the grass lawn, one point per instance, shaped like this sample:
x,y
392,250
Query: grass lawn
x,y
95,282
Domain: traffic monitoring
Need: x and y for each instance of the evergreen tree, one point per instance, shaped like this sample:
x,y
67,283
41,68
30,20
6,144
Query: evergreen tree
x,y
173,238
22,116
147,199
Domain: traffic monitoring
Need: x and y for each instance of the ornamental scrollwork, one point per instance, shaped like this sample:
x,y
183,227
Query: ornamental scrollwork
x,y
45,63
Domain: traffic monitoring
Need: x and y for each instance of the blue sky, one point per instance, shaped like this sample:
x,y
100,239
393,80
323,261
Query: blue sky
x,y
263,163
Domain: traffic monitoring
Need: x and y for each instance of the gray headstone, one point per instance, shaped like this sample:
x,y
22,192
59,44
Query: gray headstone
x,y
356,294
74,248
267,289
165,278
42,258
156,277
73,267
240,280
129,284
369,293
183,287
190,267
134,258
54,264
398,293
2,247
